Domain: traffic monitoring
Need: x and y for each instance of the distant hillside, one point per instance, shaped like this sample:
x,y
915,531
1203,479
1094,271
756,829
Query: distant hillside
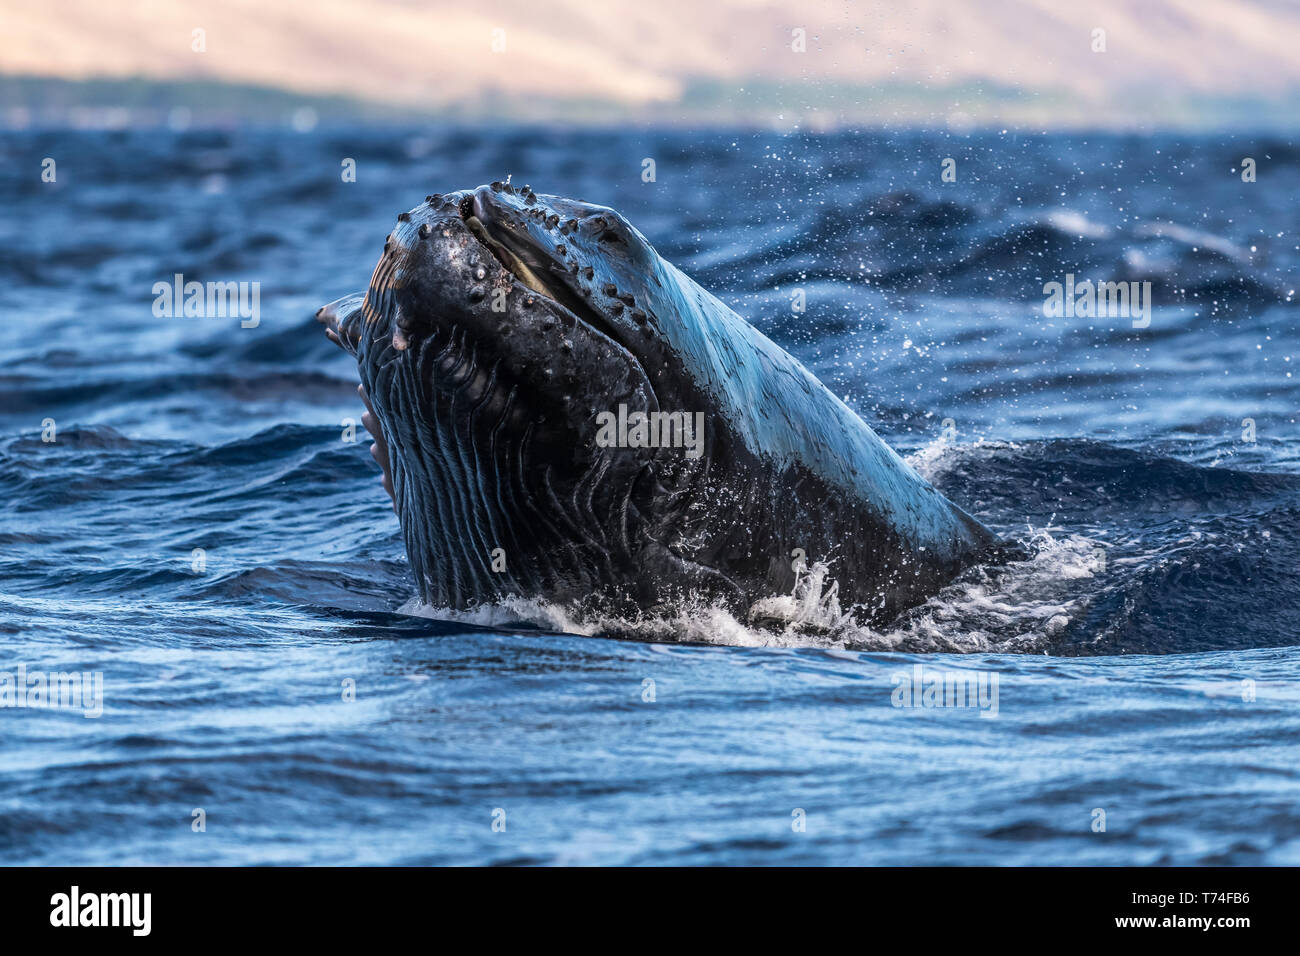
x,y
1029,62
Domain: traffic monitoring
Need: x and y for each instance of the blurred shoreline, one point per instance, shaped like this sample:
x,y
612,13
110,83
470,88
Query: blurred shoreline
x,y
112,103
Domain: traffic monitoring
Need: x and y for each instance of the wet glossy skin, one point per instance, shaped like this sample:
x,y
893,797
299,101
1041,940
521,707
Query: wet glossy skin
x,y
500,324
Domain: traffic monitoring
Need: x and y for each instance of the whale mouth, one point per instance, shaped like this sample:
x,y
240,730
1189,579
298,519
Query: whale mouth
x,y
505,236
543,275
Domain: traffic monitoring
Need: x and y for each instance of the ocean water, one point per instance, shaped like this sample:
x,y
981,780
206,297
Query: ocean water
x,y
185,515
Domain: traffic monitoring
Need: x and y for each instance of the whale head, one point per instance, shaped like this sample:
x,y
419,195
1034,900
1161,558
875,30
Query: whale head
x,y
507,344
561,413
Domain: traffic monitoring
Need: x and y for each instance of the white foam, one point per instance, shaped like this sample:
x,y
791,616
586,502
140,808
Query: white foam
x,y
1017,607
1077,224
932,460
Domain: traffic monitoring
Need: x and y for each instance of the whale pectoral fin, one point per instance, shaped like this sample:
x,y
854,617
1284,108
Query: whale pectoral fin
x,y
342,320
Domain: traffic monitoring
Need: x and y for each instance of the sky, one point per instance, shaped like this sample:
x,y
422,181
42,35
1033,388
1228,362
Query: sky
x,y
1043,62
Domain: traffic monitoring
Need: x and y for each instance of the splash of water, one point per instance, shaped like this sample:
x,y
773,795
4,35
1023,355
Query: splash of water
x,y
1019,607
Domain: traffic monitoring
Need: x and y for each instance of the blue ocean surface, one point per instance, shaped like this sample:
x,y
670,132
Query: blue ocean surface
x,y
189,513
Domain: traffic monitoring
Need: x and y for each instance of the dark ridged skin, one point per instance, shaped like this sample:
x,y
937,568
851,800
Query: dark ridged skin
x,y
499,323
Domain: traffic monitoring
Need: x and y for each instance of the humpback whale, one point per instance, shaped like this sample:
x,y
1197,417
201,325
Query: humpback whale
x,y
559,412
